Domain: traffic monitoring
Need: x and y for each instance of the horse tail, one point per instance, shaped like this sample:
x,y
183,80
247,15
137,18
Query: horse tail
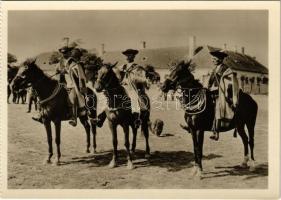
x,y
251,128
235,133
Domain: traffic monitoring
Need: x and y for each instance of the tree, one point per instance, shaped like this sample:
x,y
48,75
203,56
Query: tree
x,y
12,58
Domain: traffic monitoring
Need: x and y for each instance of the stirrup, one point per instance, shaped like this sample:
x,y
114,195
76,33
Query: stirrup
x,y
38,119
96,121
214,137
72,123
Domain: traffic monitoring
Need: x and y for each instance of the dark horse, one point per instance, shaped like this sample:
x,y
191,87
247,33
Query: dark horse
x,y
246,112
118,112
53,102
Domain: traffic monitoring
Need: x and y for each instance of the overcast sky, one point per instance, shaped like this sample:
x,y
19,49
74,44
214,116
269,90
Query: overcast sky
x,y
34,32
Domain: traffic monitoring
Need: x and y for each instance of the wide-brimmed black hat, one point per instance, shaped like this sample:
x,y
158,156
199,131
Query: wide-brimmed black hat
x,y
219,54
65,49
130,52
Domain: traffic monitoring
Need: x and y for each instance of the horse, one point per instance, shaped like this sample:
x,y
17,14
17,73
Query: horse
x,y
245,114
118,112
54,103
12,72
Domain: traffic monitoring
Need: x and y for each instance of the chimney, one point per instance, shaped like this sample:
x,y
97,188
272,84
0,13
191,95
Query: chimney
x,y
143,44
224,46
192,46
243,50
102,51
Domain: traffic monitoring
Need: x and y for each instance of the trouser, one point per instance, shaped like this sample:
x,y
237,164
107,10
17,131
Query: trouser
x,y
32,99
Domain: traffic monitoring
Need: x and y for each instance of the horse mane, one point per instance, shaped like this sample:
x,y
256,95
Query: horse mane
x,y
31,62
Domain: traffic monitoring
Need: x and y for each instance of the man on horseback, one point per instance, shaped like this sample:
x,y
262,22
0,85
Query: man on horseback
x,y
221,71
75,80
133,77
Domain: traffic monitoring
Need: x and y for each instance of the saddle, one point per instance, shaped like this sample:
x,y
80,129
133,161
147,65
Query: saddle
x,y
226,102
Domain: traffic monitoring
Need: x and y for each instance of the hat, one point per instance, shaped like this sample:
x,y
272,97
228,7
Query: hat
x,y
68,48
65,49
219,54
130,52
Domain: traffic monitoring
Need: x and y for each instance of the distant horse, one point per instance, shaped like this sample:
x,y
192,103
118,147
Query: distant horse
x,y
12,72
246,113
118,112
54,104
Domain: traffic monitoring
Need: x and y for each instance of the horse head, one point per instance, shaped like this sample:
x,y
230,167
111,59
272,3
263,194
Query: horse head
x,y
27,74
106,78
179,76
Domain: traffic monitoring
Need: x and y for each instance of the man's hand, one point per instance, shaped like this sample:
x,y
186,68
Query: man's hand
x,y
83,90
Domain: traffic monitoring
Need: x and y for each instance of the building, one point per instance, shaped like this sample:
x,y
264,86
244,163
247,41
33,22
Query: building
x,y
252,76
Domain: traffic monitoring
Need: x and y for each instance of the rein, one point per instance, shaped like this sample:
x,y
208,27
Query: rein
x,y
197,104
53,95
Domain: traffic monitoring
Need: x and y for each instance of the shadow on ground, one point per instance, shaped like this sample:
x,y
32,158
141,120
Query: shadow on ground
x,y
260,171
171,160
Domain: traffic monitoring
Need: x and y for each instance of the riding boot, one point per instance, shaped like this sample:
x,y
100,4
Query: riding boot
x,y
73,120
215,135
137,120
38,118
99,120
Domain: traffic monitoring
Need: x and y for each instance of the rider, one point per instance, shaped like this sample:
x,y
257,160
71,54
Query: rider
x,y
213,84
75,80
133,77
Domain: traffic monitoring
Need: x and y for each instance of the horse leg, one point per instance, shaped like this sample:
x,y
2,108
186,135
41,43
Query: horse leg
x,y
195,149
48,128
94,131
86,125
251,131
244,137
145,132
113,129
144,116
127,146
200,139
58,139
135,131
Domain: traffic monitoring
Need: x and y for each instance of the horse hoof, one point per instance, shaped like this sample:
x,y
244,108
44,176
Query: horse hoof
x,y
193,171
112,164
199,174
147,156
47,162
88,151
130,165
244,165
252,166
95,151
57,163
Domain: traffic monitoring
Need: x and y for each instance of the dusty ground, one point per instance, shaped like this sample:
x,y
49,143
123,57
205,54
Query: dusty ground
x,y
169,167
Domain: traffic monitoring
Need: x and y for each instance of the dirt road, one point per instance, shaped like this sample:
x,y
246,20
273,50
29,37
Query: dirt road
x,y
169,167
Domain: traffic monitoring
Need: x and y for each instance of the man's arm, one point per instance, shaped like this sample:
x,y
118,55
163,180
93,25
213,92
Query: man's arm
x,y
141,77
211,79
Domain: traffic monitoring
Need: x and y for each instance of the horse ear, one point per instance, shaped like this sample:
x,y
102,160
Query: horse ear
x,y
34,61
112,66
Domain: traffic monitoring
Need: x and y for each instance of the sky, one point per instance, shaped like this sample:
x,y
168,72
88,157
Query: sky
x,y
33,32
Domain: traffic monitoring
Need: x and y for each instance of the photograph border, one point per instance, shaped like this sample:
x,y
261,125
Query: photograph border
x,y
273,8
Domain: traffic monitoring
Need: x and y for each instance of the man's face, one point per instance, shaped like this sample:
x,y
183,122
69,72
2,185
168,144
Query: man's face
x,y
216,60
66,54
130,58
